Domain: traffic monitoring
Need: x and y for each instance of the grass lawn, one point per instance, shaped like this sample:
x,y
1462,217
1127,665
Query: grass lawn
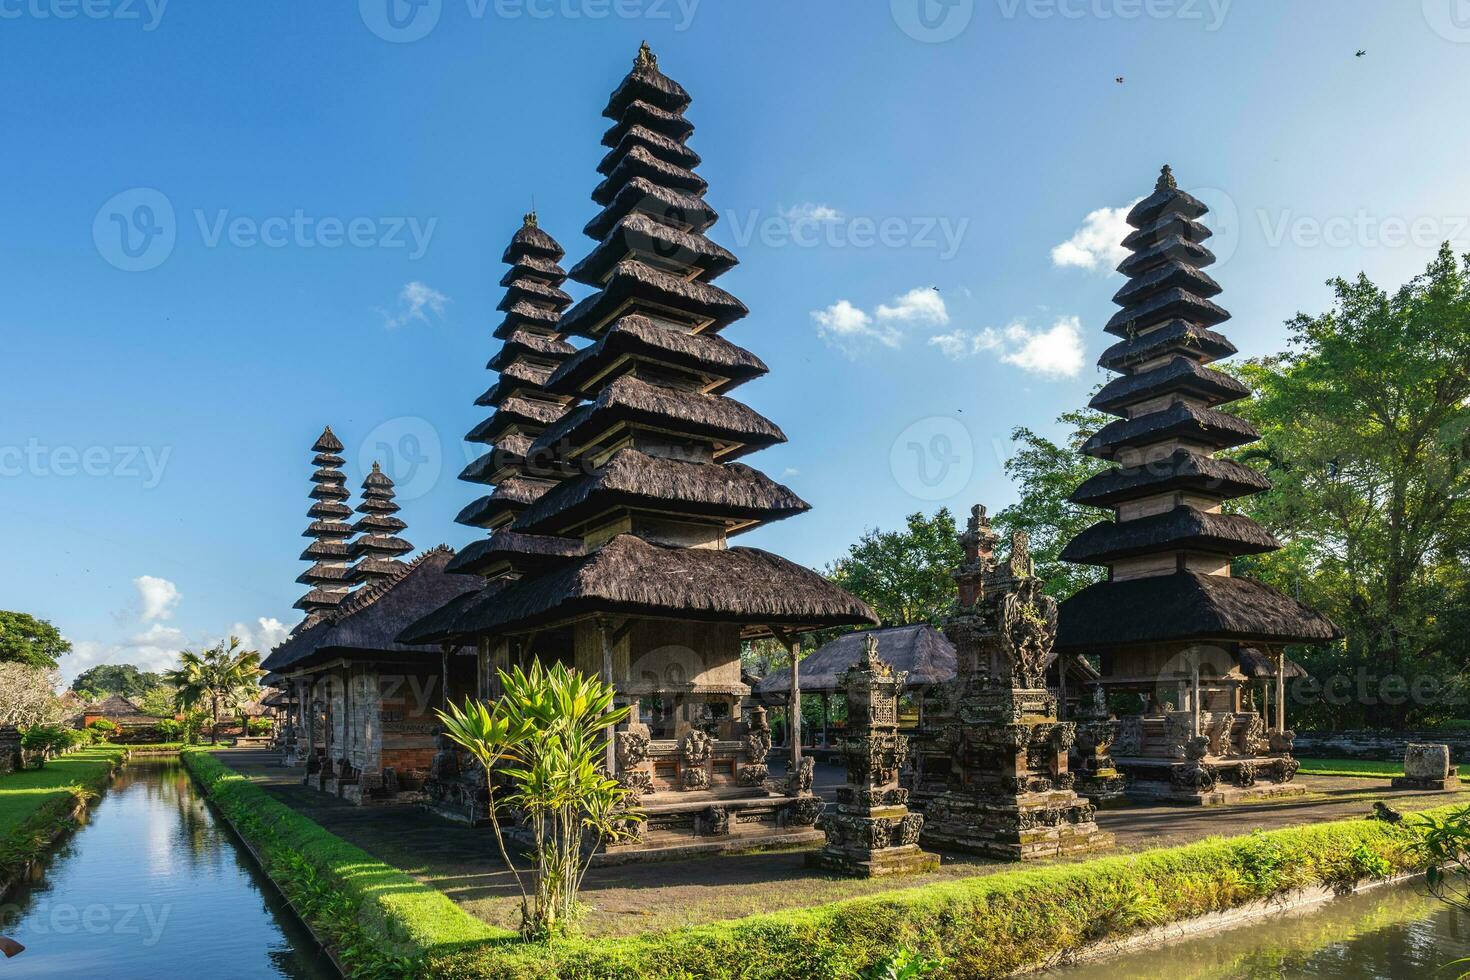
x,y
24,793
1353,767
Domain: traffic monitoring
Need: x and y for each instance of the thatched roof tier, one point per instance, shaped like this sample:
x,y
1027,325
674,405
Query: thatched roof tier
x,y
512,412
377,505
533,267
645,83
124,713
656,244
523,343
323,572
329,509
521,553
922,652
666,205
629,576
1178,337
439,626
1204,426
328,459
634,286
635,340
503,391
738,495
1256,664
530,240
529,318
639,162
328,474
1182,528
330,491
1167,305
1171,248
327,442
534,292
630,403
1185,606
1180,375
379,544
1222,479
367,625
640,113
656,143
319,599
514,376
1166,199
326,529
509,498
1168,226
373,523
1167,275
509,450
325,548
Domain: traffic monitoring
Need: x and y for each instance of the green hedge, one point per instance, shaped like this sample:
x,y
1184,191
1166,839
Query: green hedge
x,y
986,926
36,803
379,920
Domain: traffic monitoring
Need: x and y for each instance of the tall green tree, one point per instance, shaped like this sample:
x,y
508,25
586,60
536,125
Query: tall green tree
x,y
904,575
124,679
1045,473
219,679
24,639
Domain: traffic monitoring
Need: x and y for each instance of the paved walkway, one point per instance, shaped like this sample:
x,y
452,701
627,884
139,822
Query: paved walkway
x,y
463,862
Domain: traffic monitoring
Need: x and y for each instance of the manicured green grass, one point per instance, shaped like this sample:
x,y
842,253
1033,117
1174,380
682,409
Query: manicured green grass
x,y
35,803
1353,767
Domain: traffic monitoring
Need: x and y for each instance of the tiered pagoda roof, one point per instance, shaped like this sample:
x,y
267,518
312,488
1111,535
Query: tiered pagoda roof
x,y
639,524
377,545
328,576
522,406
1169,548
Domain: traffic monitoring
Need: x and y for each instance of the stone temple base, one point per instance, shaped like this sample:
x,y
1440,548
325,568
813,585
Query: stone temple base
x,y
1027,826
1222,794
1102,787
907,859
716,822
1450,783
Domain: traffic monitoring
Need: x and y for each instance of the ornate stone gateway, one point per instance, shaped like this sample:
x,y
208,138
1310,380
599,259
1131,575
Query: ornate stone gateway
x,y
872,832
1010,793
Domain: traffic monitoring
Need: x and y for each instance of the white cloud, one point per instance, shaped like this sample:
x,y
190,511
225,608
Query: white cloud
x,y
415,302
263,636
922,305
1099,242
1056,352
809,212
850,329
157,597
791,471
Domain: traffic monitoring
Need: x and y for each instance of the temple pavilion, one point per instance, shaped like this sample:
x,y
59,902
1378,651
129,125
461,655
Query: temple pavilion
x,y
1175,632
620,565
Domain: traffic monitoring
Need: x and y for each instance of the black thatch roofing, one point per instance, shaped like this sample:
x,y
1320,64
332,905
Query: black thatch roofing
x,y
1163,306
630,479
533,267
439,626
921,651
533,291
637,338
632,402
515,376
528,317
1202,425
645,83
327,442
323,573
378,544
367,569
700,302
525,343
1180,374
1170,248
1169,274
1186,606
629,576
515,411
330,491
1180,470
654,142
1182,527
1167,198
378,522
671,207
1176,337
118,709
320,599
369,622
329,509
639,162
526,553
509,450
1254,663
325,548
509,498
326,529
640,113
1168,226
328,474
327,459
531,240
653,242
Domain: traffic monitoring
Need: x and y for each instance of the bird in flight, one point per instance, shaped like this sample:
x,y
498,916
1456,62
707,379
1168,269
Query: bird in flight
x,y
1360,53
1119,79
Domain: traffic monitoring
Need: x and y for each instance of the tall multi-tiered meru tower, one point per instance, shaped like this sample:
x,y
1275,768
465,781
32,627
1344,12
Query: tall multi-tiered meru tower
x,y
636,581
329,575
1171,624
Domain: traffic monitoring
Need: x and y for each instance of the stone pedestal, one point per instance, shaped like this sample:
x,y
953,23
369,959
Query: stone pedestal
x,y
871,832
1096,776
1427,766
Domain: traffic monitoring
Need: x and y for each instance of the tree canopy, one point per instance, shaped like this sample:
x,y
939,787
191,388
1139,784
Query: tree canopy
x,y
24,639
904,575
220,678
124,679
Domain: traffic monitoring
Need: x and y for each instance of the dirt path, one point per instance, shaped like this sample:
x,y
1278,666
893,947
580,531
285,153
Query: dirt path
x,y
464,864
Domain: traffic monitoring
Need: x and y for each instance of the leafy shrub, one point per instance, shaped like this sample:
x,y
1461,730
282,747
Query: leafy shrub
x,y
259,726
904,964
42,740
169,729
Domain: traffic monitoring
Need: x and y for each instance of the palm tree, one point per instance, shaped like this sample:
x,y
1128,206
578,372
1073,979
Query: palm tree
x,y
223,676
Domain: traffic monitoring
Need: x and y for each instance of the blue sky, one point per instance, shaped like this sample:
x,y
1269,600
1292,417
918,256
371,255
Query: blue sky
x,y
915,201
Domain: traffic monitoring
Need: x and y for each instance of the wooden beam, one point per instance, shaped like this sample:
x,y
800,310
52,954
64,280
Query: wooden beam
x,y
793,710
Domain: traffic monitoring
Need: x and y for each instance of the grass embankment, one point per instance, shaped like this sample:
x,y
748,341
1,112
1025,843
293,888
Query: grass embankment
x,y
1353,767
35,804
378,920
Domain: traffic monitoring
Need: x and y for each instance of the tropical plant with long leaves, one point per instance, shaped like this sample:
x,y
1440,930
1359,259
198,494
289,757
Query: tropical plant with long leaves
x,y
221,678
547,738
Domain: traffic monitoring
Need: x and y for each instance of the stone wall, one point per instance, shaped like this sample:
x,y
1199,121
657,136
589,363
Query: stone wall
x,y
1377,746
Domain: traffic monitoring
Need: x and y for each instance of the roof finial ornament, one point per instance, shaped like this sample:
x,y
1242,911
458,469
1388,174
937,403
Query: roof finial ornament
x,y
376,467
530,218
1166,180
646,58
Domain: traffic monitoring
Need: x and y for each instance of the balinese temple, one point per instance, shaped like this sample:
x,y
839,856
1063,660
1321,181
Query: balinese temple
x,y
1171,626
377,547
647,592
328,575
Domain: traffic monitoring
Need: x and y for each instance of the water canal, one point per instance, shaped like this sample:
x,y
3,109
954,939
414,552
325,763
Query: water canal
x,y
154,885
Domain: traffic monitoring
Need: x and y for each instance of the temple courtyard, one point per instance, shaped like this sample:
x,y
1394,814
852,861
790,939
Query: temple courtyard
x,y
623,900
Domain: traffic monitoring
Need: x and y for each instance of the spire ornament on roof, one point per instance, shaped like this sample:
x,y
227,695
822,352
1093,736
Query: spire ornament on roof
x,y
1166,180
646,60
530,219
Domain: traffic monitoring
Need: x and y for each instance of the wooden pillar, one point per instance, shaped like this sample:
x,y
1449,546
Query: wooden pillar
x,y
603,633
1195,698
1281,690
793,704
826,718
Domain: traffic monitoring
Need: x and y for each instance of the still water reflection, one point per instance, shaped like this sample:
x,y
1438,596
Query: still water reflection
x,y
1392,932
152,886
